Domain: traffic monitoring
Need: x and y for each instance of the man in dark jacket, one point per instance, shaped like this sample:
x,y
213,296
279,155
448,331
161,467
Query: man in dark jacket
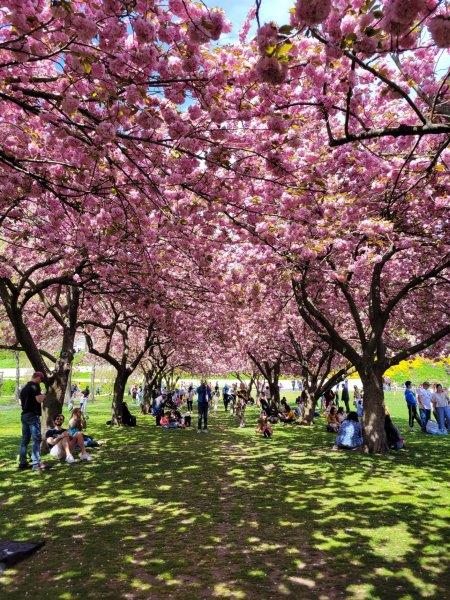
x,y
203,398
31,400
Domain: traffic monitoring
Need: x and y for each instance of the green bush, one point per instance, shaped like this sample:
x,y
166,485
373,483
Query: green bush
x,y
8,387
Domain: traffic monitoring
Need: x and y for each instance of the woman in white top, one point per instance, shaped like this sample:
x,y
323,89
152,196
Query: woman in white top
x,y
441,403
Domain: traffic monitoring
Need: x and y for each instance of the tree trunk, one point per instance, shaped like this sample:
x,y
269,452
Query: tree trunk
x,y
250,387
374,412
120,384
171,379
310,408
17,392
54,400
153,380
274,389
147,400
149,386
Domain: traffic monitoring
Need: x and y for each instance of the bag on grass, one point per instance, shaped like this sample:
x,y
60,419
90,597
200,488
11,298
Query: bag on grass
x,y
13,552
433,428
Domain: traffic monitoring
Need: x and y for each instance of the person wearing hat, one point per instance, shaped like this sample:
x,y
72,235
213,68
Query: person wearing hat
x,y
424,400
31,399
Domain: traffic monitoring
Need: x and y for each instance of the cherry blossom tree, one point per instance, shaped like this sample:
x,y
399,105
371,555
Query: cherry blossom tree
x,y
121,339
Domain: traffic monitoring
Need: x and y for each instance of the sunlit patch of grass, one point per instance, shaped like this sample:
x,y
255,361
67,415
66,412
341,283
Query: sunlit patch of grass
x,y
140,585
222,590
257,573
392,543
362,591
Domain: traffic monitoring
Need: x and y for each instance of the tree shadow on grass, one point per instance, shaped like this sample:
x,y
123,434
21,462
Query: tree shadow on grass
x,y
175,514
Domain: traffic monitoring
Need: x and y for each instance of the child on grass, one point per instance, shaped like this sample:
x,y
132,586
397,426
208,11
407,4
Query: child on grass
x,y
264,426
239,409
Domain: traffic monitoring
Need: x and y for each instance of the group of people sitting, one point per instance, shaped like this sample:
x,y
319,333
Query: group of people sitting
x,y
166,408
281,411
173,419
349,426
64,442
350,433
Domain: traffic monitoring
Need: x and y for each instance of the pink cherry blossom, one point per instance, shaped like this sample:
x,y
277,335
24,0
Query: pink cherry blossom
x,y
270,70
312,12
439,28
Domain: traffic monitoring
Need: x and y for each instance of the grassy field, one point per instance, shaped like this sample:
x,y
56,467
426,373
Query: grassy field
x,y
178,515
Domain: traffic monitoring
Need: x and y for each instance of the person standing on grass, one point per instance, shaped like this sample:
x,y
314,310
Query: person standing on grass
x,y
226,396
411,403
31,399
345,397
84,400
441,403
203,398
424,400
190,397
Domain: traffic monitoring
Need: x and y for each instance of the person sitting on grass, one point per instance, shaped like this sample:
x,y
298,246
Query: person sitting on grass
x,y
176,417
77,422
187,418
333,420
341,414
393,437
127,418
274,407
287,415
350,433
284,404
299,410
62,444
165,420
171,420
264,425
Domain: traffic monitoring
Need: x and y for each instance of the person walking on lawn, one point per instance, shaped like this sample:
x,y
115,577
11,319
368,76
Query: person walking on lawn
x,y
31,399
203,398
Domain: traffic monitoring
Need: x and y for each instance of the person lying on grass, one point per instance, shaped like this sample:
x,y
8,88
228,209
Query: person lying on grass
x,y
350,433
62,444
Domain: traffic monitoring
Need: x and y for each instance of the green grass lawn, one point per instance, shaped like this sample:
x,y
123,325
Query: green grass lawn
x,y
178,515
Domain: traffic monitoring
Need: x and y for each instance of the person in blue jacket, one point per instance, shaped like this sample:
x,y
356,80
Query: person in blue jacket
x,y
411,402
203,398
